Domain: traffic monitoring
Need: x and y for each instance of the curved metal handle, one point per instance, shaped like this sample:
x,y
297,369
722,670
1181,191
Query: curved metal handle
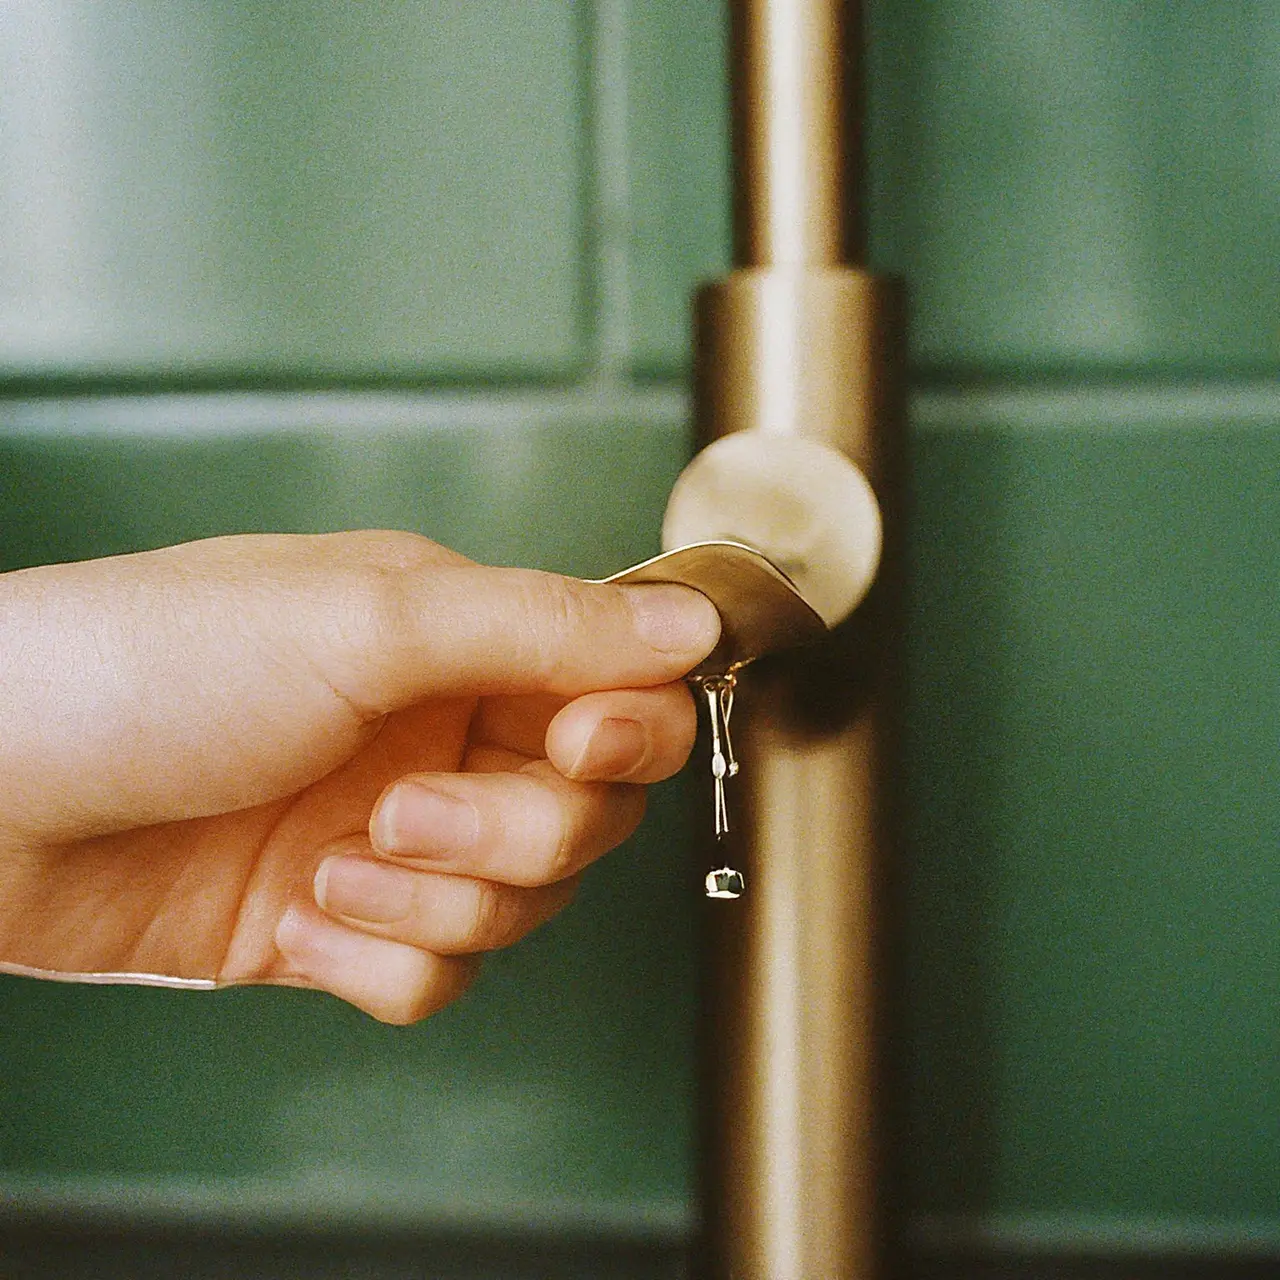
x,y
761,609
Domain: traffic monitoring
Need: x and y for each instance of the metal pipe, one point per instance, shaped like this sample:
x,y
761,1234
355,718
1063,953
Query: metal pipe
x,y
789,118
792,341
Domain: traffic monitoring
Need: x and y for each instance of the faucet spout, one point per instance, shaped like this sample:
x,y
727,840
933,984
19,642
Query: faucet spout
x,y
790,131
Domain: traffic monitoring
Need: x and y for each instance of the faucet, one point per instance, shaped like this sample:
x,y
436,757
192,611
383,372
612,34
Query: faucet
x,y
797,352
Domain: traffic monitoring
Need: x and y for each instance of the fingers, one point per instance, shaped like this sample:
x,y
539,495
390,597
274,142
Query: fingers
x,y
458,864
628,735
401,943
640,735
446,914
474,629
390,980
529,827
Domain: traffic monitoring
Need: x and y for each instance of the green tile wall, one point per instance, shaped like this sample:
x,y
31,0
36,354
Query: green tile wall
x,y
1084,200
1080,185
1066,187
678,172
1095,968
291,190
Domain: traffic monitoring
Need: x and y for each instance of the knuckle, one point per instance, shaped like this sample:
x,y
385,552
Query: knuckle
x,y
485,929
384,580
395,549
400,1011
371,615
434,983
684,717
383,600
557,612
562,845
683,736
606,814
543,816
411,997
566,603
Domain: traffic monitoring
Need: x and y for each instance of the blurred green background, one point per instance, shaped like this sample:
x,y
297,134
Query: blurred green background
x,y
426,265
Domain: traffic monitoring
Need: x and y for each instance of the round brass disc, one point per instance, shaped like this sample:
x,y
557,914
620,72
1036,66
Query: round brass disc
x,y
802,503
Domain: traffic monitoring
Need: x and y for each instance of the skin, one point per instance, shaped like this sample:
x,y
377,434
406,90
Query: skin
x,y
351,762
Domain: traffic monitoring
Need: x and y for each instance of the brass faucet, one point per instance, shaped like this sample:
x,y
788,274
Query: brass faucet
x,y
800,344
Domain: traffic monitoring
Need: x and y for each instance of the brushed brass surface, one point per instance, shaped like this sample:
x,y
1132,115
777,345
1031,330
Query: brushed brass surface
x,y
791,351
795,343
761,610
801,502
791,1161
790,135
791,1019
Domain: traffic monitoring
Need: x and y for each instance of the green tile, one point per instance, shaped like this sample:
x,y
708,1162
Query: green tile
x,y
396,190
678,177
1063,187
533,491
1093,954
324,190
1087,184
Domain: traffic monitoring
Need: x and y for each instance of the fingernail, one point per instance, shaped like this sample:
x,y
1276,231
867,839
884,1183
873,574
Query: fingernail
x,y
421,821
615,747
674,619
362,890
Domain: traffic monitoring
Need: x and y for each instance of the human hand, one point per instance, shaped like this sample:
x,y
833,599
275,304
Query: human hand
x,y
351,762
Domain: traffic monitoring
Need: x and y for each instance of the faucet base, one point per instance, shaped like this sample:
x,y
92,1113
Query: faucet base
x,y
792,1006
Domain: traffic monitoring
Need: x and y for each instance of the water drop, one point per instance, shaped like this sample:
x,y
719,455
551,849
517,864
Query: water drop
x,y
725,883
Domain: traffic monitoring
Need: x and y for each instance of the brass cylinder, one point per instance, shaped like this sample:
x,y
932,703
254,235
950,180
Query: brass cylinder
x,y
798,351
794,342
791,137
791,1011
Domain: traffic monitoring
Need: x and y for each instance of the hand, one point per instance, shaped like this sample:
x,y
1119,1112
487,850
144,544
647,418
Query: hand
x,y
350,762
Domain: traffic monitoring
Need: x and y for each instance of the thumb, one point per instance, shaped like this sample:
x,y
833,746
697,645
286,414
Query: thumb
x,y
473,629
183,682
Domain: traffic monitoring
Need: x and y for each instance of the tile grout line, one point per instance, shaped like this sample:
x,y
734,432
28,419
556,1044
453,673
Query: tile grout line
x,y
1116,408
611,196
610,397
350,1201
1131,1234
346,414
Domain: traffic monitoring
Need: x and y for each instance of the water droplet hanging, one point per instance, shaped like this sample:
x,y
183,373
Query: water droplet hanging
x,y
718,690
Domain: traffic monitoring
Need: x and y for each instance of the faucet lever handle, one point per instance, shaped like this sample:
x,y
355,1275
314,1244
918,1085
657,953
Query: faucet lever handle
x,y
801,503
761,609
